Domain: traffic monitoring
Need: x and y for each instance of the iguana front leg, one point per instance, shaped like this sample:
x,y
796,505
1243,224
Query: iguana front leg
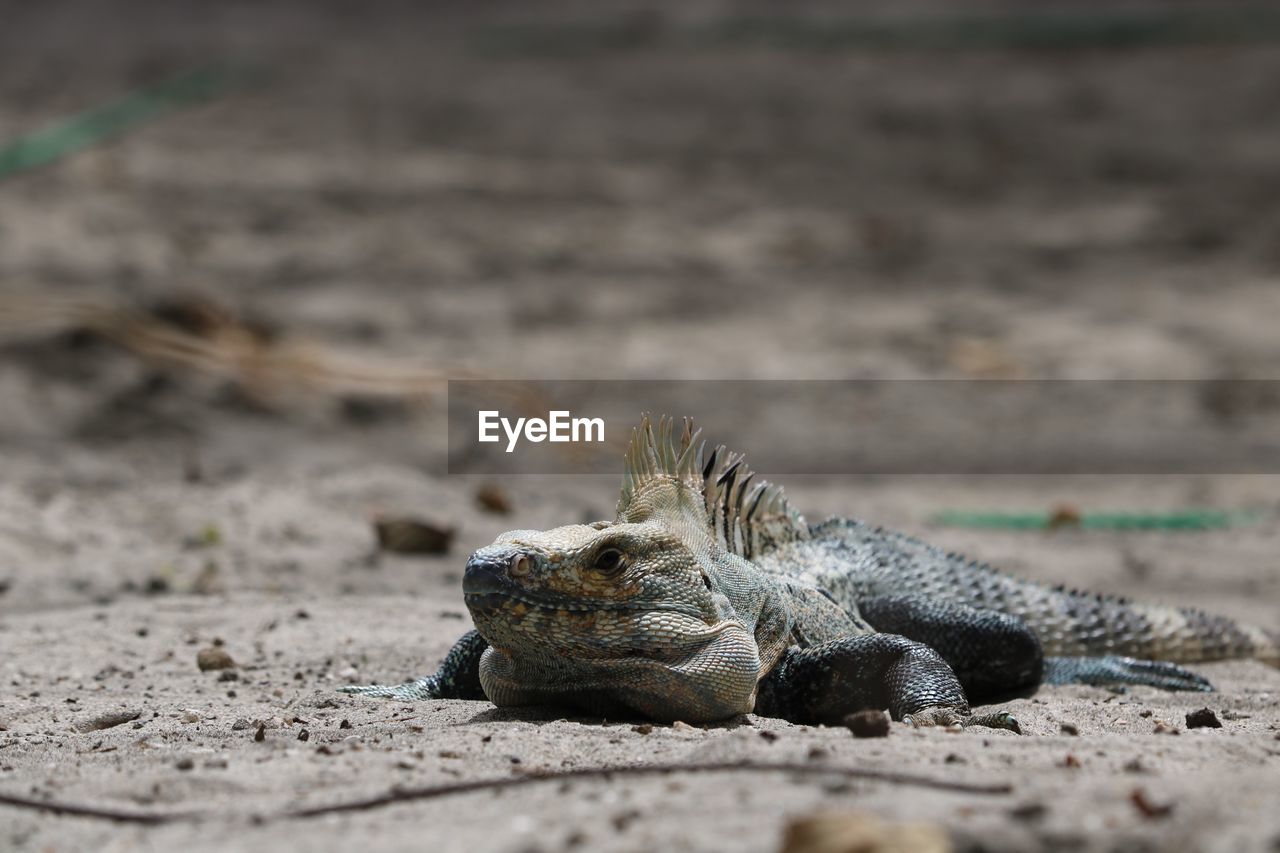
x,y
457,678
827,682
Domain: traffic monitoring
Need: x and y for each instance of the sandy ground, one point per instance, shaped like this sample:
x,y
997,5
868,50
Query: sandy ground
x,y
394,189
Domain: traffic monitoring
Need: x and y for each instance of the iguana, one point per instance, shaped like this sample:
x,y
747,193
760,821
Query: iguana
x,y
709,596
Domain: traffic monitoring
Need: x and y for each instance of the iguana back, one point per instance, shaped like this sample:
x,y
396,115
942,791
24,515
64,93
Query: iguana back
x,y
856,562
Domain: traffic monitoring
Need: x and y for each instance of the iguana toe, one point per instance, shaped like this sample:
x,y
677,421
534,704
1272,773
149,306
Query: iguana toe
x,y
423,688
927,717
998,720
936,716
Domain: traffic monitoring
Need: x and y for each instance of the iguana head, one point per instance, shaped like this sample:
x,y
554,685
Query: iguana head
x,y
659,612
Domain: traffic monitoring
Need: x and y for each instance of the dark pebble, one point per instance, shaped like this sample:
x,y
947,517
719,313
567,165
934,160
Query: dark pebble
x,y
492,498
868,724
1029,811
109,720
1203,719
411,536
214,657
1149,809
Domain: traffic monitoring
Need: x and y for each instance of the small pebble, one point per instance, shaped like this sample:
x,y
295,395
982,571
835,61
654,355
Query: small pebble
x,y
185,763
643,729
110,719
846,831
868,724
493,498
1146,807
304,735
412,536
1070,729
1029,811
261,734
1203,719
214,657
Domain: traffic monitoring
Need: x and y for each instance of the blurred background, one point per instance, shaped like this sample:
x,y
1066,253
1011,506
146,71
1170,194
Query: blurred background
x,y
228,302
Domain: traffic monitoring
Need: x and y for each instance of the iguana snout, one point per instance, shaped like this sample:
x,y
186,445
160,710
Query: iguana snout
x,y
491,575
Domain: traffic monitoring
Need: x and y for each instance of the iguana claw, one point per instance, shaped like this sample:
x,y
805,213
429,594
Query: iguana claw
x,y
952,717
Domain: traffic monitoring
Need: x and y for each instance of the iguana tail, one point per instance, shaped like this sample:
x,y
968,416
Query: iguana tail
x,y
1080,623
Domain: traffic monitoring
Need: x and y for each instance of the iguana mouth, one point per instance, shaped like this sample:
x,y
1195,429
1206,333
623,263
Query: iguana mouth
x,y
486,587
496,599
508,594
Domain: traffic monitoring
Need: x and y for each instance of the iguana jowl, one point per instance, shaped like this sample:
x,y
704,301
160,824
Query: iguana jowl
x,y
709,596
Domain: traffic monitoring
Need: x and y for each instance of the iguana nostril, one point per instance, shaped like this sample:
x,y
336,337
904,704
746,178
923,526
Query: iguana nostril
x,y
520,565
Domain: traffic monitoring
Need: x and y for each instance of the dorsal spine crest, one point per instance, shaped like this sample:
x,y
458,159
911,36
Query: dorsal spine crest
x,y
744,516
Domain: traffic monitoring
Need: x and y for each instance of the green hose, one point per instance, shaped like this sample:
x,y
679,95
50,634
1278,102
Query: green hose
x,y
1190,519
110,120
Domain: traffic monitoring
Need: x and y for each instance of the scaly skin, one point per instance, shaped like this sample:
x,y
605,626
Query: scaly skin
x,y
709,597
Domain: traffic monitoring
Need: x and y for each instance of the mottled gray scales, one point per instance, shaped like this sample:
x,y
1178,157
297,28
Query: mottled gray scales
x,y
1218,636
709,596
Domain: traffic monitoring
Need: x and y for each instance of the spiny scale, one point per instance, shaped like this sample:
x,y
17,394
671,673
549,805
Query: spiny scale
x,y
745,517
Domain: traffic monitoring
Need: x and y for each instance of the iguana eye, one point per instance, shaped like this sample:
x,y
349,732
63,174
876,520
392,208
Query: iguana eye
x,y
609,560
